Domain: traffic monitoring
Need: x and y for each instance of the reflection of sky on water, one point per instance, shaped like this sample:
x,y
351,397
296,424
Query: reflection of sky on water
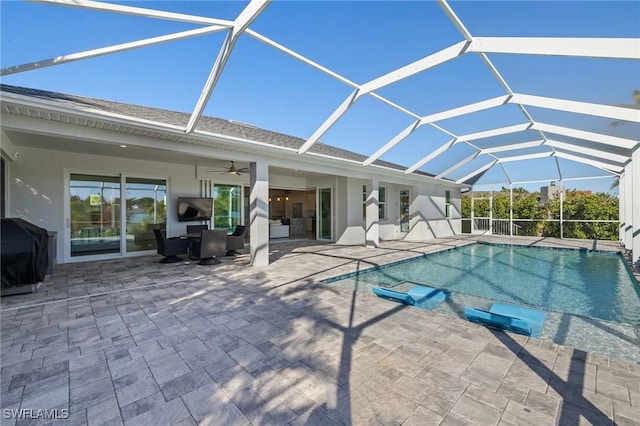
x,y
584,283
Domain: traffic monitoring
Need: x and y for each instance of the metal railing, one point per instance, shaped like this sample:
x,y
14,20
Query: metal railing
x,y
590,229
485,225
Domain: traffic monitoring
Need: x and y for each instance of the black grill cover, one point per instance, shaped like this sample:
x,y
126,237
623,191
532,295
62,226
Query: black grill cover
x,y
25,251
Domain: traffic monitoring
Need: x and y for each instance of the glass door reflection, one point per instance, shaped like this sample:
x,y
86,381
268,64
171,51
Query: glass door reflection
x,y
146,210
95,214
326,218
405,216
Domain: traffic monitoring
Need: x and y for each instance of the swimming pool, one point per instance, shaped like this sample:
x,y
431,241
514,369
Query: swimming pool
x,y
586,283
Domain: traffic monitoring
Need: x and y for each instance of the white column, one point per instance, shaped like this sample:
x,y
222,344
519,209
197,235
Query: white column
x,y
628,205
635,199
621,207
259,214
511,209
561,209
491,213
473,225
372,234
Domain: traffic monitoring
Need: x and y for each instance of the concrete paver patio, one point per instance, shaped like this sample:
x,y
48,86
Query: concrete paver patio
x,y
135,342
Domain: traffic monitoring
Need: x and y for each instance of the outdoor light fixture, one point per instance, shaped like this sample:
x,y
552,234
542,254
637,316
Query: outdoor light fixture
x,y
278,199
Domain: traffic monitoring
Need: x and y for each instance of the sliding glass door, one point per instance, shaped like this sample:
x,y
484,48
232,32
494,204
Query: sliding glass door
x,y
227,206
146,210
325,223
95,222
99,225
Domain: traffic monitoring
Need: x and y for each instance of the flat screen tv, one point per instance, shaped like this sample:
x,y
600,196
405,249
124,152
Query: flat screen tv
x,y
194,209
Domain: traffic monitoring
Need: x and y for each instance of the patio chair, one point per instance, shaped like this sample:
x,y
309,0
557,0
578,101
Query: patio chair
x,y
211,245
235,241
170,248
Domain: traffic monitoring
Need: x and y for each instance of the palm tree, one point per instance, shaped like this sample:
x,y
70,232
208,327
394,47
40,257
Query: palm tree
x,y
635,105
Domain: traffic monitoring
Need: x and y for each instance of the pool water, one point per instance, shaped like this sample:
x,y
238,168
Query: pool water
x,y
586,283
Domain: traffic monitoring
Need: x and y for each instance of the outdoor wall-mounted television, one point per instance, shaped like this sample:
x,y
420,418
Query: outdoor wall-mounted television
x,y
194,209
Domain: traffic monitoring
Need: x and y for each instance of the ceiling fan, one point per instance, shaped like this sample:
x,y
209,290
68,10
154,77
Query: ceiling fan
x,y
232,170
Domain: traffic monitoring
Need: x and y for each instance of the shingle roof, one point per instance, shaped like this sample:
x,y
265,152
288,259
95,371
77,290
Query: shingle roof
x,y
208,124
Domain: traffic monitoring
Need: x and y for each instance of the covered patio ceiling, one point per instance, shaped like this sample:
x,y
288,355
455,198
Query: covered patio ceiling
x,y
454,137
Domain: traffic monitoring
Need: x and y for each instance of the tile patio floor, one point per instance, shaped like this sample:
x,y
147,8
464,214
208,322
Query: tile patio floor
x,y
136,342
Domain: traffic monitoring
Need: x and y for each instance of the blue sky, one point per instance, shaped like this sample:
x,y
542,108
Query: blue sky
x,y
360,41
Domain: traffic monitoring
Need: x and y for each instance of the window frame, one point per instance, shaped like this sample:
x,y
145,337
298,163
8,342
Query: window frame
x,y
382,204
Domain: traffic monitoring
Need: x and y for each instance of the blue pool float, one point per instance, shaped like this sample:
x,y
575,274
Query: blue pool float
x,y
517,319
419,296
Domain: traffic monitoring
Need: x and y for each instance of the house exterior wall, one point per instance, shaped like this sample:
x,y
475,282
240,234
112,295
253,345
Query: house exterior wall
x,y
427,212
36,185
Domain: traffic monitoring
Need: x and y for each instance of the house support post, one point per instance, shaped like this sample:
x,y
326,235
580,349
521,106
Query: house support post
x,y
511,209
561,209
372,234
635,200
621,207
628,205
259,213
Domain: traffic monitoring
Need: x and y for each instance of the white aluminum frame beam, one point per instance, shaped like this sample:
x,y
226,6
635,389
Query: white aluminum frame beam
x,y
617,48
468,138
431,156
416,67
616,170
604,155
139,11
588,136
467,35
63,59
613,112
477,172
457,165
393,142
335,116
512,147
466,109
496,132
526,157
244,19
430,119
299,57
608,111
614,48
585,156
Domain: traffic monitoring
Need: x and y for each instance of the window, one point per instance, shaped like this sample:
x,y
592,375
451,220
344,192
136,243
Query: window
x,y
382,206
364,202
447,204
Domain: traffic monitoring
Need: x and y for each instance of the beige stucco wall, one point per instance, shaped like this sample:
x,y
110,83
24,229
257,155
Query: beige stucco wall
x,y
37,185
